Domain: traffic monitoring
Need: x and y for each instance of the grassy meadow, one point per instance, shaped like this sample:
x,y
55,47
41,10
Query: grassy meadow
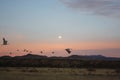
x,y
32,73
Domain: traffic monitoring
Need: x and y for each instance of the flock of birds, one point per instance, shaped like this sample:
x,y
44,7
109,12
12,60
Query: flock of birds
x,y
5,42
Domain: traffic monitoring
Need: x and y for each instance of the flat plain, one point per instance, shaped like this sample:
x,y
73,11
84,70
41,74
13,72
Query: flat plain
x,y
35,73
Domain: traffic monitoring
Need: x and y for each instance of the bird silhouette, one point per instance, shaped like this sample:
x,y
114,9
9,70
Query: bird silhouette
x,y
10,53
24,50
5,42
53,52
68,50
41,52
17,50
30,52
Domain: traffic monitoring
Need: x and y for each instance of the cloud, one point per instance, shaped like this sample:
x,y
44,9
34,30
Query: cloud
x,y
101,7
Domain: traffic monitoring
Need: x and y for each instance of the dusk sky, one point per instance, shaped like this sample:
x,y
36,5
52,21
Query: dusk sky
x,y
86,26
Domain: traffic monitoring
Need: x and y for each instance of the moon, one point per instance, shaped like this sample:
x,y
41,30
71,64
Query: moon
x,y
59,37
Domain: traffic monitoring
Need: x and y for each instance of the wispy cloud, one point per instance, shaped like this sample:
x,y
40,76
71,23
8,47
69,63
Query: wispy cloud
x,y
101,7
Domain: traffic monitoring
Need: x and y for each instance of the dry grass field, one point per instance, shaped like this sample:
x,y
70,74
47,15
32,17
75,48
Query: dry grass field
x,y
31,73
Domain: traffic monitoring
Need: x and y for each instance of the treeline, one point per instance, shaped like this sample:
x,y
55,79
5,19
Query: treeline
x,y
58,63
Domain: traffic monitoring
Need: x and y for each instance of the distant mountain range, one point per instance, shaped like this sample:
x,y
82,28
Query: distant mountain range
x,y
86,57
93,57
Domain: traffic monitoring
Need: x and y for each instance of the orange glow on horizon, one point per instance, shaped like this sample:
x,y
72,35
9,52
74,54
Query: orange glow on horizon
x,y
60,46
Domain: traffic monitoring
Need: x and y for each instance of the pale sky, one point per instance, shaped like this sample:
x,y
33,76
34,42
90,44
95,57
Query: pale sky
x,y
86,25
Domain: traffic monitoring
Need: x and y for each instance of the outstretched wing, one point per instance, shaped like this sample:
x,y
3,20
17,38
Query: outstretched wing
x,y
68,50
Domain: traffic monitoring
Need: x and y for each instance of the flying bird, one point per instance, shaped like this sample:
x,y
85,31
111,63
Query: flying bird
x,y
30,52
17,50
53,52
68,50
10,53
41,52
5,42
25,50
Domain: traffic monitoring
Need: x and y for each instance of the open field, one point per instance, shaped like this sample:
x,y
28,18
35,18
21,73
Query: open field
x,y
31,73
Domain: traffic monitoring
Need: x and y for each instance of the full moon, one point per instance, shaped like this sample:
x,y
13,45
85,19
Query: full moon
x,y
59,37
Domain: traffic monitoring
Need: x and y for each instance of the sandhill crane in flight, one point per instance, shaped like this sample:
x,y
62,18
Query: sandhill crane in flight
x,y
17,50
10,53
53,52
30,52
41,52
68,50
5,42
